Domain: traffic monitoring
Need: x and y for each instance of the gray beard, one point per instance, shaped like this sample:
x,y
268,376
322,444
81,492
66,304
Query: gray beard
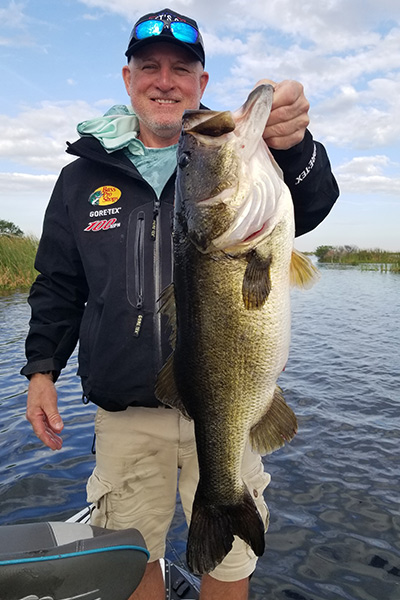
x,y
163,130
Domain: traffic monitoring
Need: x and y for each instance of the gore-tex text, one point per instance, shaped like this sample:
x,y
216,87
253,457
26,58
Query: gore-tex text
x,y
104,212
308,168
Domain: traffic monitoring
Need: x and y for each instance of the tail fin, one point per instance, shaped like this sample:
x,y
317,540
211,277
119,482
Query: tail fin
x,y
212,529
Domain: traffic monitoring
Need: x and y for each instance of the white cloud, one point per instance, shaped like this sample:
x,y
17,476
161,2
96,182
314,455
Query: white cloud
x,y
222,45
24,199
320,70
17,25
92,17
362,119
25,182
321,23
36,137
367,175
13,15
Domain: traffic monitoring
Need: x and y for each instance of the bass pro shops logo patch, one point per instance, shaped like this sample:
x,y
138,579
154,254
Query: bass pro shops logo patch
x,y
105,195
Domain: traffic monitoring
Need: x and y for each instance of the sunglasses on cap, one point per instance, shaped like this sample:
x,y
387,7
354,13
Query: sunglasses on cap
x,y
180,30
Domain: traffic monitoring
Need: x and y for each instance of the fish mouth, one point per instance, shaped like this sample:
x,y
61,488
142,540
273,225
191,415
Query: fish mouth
x,y
216,125
247,122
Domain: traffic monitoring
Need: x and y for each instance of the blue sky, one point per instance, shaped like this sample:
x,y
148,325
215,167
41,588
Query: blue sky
x,y
60,63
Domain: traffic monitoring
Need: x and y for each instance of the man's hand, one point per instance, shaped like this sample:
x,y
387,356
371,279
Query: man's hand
x,y
289,119
41,410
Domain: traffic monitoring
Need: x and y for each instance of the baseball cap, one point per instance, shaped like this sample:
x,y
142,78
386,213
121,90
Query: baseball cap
x,y
167,26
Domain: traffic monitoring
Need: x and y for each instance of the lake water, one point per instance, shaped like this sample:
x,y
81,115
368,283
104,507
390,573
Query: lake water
x,y
335,494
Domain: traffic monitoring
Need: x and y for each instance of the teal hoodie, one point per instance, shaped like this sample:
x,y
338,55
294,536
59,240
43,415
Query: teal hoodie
x,y
118,130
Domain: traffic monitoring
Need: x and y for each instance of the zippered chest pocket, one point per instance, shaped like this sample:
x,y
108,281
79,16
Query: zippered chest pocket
x,y
148,255
139,259
148,272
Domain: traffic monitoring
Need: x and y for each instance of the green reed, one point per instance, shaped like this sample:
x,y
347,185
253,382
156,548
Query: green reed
x,y
369,260
17,256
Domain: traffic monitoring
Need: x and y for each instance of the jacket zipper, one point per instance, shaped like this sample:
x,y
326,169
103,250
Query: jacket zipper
x,y
139,270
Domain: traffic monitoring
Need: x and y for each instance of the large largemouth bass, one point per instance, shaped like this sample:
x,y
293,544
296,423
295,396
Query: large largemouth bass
x,y
233,243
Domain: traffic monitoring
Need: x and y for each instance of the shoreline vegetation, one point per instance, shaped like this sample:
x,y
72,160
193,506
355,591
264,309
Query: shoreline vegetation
x,y
372,259
17,256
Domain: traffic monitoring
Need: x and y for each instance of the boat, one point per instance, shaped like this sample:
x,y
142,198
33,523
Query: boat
x,y
73,560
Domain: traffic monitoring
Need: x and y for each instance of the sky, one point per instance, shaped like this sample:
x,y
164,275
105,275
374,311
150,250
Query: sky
x,y
60,64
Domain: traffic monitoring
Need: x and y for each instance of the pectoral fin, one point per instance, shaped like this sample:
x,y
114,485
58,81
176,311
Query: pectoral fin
x,y
256,282
167,307
166,390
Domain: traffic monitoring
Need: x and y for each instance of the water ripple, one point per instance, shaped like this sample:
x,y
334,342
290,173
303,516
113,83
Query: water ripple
x,y
334,494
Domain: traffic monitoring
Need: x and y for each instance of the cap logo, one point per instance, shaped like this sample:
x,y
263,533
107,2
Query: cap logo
x,y
165,16
167,19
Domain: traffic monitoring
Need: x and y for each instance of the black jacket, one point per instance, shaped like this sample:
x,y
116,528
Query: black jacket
x,y
103,267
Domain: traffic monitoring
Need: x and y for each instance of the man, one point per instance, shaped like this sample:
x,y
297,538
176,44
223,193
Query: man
x,y
105,256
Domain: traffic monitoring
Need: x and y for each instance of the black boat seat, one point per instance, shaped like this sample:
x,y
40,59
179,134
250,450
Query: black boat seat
x,y
64,561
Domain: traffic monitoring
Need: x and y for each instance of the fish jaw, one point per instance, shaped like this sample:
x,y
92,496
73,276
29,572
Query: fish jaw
x,y
251,118
238,201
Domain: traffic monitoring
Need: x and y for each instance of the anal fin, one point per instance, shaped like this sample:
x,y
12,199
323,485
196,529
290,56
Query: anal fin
x,y
277,426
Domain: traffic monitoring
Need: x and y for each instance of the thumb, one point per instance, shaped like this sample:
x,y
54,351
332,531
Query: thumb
x,y
55,421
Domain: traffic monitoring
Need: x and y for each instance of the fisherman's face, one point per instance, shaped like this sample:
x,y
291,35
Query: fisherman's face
x,y
163,81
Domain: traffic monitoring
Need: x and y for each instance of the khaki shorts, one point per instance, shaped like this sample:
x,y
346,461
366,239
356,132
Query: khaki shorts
x,y
139,453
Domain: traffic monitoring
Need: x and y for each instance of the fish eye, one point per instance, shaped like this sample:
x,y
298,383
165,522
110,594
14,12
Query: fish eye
x,y
184,160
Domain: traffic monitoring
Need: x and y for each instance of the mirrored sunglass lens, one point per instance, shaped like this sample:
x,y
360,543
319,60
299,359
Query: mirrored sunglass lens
x,y
148,29
184,32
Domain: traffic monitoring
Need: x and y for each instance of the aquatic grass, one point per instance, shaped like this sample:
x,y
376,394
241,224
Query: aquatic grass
x,y
17,257
395,267
368,259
